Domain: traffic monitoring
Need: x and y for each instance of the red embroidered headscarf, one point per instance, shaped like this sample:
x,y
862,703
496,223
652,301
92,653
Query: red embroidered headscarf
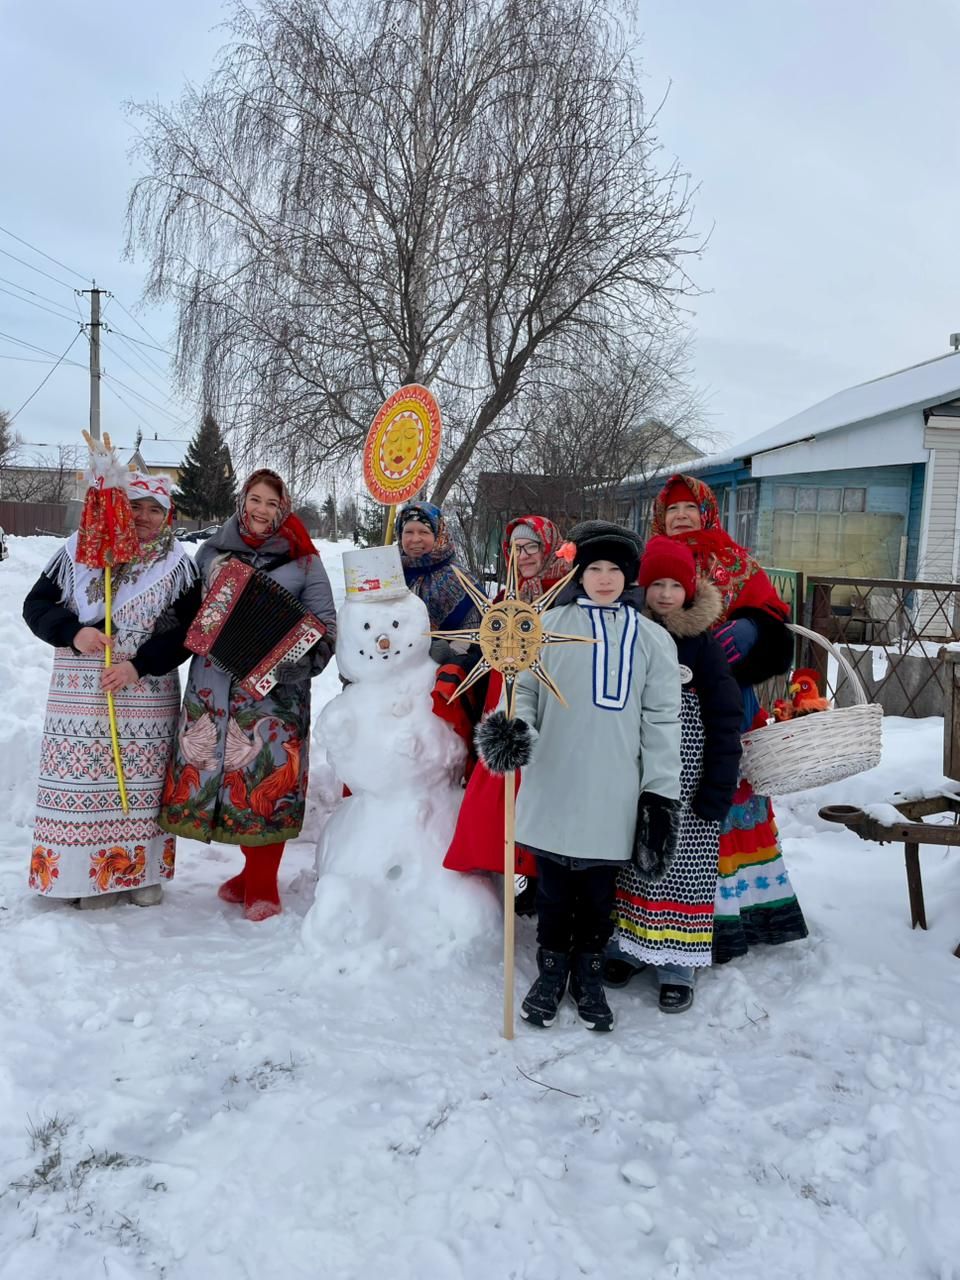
x,y
742,582
552,569
288,526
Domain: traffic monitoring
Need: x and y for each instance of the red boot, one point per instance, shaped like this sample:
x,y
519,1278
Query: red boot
x,y
233,890
261,897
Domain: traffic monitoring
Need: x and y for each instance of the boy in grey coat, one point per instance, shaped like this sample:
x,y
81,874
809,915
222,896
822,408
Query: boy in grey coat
x,y
590,769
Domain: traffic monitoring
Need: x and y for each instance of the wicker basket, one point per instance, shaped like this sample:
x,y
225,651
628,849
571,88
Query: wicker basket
x,y
815,749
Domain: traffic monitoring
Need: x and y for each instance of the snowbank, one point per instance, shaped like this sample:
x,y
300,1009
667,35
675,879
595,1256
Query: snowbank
x,y
186,1095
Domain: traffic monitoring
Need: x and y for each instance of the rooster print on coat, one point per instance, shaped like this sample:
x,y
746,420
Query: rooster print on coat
x,y
239,770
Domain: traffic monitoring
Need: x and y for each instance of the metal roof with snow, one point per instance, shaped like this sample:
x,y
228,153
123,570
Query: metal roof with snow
x,y
934,382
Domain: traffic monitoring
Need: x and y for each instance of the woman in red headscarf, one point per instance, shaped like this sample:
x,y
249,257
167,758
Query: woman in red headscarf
x,y
477,843
240,768
755,901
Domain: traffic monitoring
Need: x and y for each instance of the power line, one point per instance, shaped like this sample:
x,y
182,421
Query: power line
x,y
33,293
24,263
47,377
138,414
160,390
32,347
40,307
180,422
140,342
35,360
140,327
55,261
140,355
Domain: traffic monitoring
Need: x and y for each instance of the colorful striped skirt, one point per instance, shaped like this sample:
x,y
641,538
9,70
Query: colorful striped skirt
x,y
755,899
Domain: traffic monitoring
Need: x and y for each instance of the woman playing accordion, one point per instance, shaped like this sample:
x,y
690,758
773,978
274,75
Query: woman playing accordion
x,y
239,770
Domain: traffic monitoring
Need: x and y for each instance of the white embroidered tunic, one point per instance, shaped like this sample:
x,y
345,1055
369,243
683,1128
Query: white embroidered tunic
x,y
618,735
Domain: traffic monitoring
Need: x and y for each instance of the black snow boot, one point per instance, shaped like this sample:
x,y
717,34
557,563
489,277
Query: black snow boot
x,y
586,988
542,1001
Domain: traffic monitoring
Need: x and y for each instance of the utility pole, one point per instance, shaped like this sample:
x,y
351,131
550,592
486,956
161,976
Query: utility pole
x,y
336,517
94,358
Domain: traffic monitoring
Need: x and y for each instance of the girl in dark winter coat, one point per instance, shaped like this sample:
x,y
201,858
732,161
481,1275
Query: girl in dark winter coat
x,y
669,923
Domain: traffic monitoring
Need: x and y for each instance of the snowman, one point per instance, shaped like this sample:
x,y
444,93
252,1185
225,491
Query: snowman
x,y
381,890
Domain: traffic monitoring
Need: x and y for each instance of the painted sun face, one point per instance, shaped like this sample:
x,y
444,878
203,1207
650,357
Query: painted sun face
x,y
511,635
401,445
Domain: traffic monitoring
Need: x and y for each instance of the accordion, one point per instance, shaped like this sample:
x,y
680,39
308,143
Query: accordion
x,y
248,625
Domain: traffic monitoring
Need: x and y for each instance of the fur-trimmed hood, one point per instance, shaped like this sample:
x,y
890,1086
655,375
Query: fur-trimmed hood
x,y
700,615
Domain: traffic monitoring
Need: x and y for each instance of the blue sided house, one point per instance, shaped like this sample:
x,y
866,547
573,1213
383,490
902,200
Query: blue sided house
x,y
865,484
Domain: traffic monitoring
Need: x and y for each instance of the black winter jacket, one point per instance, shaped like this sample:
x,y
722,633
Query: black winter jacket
x,y
721,706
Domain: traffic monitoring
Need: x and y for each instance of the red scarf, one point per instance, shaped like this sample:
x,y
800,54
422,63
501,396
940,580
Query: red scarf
x,y
742,582
289,527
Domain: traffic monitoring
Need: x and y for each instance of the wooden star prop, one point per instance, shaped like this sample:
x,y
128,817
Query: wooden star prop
x,y
511,634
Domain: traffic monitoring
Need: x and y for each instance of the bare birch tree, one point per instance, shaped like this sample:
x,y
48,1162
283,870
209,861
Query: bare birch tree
x,y
465,193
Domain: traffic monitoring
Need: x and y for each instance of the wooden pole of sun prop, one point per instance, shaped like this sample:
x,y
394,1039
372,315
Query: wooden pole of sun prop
x,y
106,537
511,636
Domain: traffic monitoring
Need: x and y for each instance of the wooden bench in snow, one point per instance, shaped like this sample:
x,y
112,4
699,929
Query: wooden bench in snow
x,y
902,822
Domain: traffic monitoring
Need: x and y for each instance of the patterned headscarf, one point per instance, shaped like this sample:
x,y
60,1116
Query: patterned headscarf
x,y
552,569
431,576
290,527
742,582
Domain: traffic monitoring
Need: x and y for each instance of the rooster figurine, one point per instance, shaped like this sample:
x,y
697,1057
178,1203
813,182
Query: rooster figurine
x,y
805,696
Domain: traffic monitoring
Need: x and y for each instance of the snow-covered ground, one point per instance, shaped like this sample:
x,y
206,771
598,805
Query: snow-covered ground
x,y
187,1095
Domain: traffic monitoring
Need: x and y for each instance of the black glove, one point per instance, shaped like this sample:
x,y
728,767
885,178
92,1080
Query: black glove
x,y
709,807
503,745
655,839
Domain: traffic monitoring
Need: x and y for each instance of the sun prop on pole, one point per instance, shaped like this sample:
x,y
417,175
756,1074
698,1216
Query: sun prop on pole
x,y
107,537
511,636
402,448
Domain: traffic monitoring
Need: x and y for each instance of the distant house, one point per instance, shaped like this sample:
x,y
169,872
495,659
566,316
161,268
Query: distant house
x,y
863,484
157,457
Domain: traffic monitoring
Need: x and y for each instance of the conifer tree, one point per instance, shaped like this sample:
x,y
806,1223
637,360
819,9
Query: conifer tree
x,y
207,489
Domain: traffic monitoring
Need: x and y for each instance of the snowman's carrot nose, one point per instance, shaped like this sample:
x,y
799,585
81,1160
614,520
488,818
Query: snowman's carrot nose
x,y
383,642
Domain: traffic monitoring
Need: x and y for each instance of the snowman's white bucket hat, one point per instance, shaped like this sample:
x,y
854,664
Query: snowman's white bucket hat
x,y
374,573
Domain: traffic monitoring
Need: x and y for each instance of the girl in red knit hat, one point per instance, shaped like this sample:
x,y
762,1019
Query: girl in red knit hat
x,y
669,923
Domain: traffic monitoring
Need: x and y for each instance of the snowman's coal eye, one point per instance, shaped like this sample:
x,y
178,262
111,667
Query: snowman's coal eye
x,y
395,623
366,626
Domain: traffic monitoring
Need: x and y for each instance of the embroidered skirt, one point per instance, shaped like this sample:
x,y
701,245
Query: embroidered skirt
x,y
755,899
83,843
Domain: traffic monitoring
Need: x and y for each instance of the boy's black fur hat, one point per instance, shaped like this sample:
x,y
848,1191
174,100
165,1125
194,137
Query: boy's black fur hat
x,y
602,540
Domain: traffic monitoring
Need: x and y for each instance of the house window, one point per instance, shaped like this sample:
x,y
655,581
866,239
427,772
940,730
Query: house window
x,y
829,499
807,499
854,499
746,514
784,497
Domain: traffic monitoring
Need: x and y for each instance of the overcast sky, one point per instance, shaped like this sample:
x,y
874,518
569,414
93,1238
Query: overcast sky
x,y
821,134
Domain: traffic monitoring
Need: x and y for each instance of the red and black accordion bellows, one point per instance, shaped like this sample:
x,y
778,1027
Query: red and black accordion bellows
x,y
248,625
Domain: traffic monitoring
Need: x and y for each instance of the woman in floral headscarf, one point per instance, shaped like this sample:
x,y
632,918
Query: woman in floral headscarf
x,y
477,843
239,772
755,899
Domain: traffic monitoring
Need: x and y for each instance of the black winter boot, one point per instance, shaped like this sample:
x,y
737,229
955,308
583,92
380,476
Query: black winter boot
x,y
586,988
542,1001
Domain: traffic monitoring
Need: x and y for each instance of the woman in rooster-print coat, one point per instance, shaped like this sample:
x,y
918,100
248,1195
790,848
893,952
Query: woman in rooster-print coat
x,y
239,771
